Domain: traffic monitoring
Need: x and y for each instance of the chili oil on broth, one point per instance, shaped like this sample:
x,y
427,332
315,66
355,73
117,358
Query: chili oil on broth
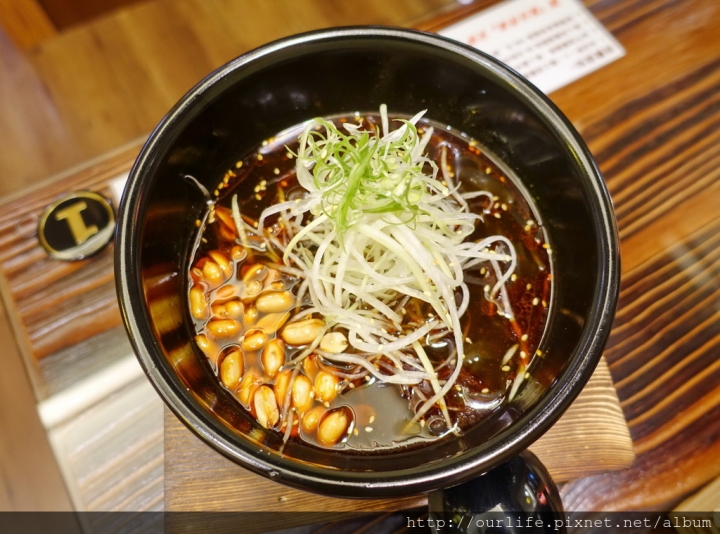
x,y
376,414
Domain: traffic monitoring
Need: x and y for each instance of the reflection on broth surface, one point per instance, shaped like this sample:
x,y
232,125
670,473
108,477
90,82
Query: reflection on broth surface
x,y
393,290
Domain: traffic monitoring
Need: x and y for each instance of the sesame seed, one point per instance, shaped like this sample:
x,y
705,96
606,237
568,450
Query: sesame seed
x,y
216,192
483,271
505,368
544,303
528,287
539,352
513,277
259,157
403,311
497,215
503,206
381,346
356,431
487,288
238,164
197,223
535,301
276,171
524,337
368,429
485,390
258,197
523,354
372,419
289,155
468,340
488,170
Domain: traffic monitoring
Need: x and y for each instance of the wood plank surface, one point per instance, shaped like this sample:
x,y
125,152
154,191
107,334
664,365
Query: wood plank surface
x,y
591,437
53,304
652,119
99,85
593,434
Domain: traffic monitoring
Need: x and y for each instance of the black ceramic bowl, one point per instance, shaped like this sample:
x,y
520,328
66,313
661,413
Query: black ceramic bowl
x,y
338,71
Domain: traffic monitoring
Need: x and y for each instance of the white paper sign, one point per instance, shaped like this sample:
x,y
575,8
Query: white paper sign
x,y
550,42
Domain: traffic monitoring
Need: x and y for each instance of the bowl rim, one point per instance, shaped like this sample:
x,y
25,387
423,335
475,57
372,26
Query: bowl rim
x,y
528,427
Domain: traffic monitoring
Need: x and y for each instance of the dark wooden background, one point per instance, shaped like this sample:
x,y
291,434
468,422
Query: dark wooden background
x,y
652,120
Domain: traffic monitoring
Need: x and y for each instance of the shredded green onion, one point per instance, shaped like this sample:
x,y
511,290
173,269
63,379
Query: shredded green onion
x,y
376,228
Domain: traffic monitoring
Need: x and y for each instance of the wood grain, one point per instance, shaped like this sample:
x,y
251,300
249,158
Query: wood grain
x,y
67,13
104,83
66,293
30,479
650,118
55,304
26,22
591,437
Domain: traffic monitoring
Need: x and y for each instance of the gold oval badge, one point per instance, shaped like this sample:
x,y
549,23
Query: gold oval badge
x,y
76,226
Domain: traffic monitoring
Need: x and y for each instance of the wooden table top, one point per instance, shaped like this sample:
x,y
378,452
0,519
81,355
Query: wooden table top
x,y
652,121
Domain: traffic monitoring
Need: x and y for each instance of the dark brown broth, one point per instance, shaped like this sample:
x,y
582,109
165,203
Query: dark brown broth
x,y
483,384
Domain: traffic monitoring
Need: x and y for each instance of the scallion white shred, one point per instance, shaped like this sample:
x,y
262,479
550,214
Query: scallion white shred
x,y
375,229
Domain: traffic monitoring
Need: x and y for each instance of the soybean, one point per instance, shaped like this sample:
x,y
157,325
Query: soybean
x,y
334,342
222,261
325,386
333,427
273,357
250,382
272,322
302,332
253,340
311,419
274,302
209,347
302,394
198,303
256,272
224,328
231,369
266,408
212,273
